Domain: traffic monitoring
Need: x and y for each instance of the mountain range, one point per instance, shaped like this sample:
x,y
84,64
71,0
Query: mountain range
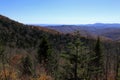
x,y
106,31
109,31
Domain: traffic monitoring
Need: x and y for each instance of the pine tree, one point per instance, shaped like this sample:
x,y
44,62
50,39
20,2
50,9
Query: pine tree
x,y
47,57
117,63
96,62
43,50
76,60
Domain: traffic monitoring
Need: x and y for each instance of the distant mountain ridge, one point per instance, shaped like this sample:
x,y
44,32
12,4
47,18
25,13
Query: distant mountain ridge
x,y
103,25
111,31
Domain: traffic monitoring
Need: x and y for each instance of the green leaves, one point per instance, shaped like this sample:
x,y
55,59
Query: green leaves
x,y
76,60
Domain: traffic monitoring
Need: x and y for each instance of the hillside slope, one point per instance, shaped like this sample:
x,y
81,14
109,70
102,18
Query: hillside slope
x,y
20,34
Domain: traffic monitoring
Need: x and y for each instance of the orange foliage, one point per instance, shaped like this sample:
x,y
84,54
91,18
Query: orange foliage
x,y
8,74
42,77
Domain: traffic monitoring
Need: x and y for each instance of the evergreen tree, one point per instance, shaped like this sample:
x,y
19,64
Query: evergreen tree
x,y
48,57
43,51
96,63
53,64
76,64
117,62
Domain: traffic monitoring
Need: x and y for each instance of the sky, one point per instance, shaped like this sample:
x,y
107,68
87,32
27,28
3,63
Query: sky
x,y
61,11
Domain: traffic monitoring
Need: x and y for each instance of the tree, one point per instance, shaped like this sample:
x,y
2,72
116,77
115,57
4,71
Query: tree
x,y
47,57
43,51
117,62
96,62
52,64
76,56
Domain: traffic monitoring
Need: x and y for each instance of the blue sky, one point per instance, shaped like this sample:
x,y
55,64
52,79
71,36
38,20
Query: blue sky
x,y
61,11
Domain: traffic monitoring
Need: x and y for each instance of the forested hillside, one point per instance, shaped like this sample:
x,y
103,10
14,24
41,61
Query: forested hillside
x,y
36,53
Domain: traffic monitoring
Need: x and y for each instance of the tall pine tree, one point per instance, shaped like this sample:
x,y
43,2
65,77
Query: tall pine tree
x,y
75,57
43,50
96,63
47,56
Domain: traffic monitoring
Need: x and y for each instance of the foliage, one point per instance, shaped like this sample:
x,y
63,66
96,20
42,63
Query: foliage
x,y
10,75
76,66
43,51
78,61
26,67
96,63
